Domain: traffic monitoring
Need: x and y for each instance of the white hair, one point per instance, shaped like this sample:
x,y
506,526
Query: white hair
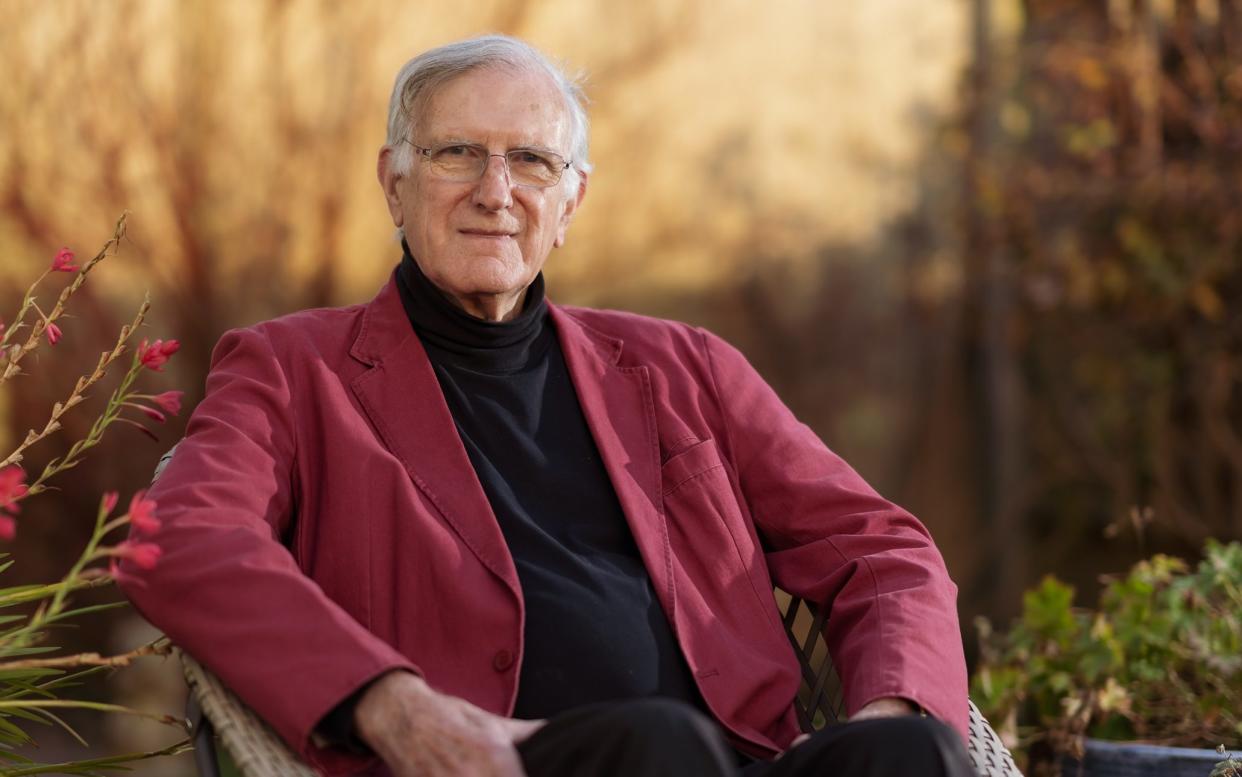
x,y
419,79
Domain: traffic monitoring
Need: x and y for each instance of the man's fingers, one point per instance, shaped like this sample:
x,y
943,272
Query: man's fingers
x,y
521,730
509,764
797,741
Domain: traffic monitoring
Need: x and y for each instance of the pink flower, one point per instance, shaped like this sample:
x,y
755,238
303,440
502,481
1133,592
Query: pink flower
x,y
8,527
12,488
155,355
63,261
53,333
151,413
169,401
142,516
109,502
143,554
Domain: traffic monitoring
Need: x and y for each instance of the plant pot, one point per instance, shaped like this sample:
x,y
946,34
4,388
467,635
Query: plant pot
x,y
1128,759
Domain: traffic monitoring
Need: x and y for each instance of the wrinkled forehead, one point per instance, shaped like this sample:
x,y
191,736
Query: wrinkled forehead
x,y
519,105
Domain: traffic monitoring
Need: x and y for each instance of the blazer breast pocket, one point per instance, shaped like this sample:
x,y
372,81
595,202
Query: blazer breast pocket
x,y
701,505
713,542
689,464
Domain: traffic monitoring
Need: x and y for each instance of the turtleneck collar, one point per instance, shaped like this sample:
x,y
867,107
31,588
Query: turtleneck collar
x,y
454,337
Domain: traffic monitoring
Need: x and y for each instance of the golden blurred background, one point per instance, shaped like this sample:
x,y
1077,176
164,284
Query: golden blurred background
x,y
938,227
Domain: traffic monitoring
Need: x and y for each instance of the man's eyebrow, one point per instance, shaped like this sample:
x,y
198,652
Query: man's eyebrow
x,y
535,147
455,140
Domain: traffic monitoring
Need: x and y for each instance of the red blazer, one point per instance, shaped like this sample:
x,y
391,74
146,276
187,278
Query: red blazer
x,y
323,524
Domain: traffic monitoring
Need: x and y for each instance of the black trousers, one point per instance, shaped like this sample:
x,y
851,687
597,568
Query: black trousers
x,y
662,738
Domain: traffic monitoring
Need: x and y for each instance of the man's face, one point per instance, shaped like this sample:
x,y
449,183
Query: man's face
x,y
483,242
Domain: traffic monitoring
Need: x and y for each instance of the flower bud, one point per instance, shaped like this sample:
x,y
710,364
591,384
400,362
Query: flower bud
x,y
63,261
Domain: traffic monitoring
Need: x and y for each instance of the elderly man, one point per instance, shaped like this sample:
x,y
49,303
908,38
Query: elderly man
x,y
460,530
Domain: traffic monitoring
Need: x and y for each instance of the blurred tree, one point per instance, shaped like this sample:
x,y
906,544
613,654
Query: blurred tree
x,y
1109,210
993,375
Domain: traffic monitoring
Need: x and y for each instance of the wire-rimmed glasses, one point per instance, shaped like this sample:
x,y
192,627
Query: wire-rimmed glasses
x,y
466,163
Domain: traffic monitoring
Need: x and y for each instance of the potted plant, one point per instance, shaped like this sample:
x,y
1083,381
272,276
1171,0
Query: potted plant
x,y
1151,679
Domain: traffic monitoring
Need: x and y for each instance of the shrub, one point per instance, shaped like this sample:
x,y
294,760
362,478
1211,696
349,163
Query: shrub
x,y
1159,661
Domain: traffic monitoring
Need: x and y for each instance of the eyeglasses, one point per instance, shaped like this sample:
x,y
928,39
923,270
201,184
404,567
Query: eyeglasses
x,y
466,163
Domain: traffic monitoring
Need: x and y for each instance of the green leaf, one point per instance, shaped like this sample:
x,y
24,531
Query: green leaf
x,y
1046,609
25,714
56,719
84,610
13,733
8,652
15,757
21,688
111,763
33,673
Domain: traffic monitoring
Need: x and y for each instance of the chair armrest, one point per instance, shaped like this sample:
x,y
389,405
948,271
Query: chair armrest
x,y
987,752
254,746
819,701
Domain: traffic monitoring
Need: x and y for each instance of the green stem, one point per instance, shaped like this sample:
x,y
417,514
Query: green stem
x,y
79,704
59,592
27,300
83,384
95,435
183,746
36,593
11,368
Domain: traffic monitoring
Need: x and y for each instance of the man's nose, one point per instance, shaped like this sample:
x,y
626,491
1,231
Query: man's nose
x,y
494,190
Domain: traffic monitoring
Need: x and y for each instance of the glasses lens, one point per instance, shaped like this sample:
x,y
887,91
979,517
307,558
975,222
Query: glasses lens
x,y
534,168
466,162
458,162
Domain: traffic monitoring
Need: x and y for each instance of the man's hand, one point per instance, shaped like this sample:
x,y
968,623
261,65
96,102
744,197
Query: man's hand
x,y
886,707
418,731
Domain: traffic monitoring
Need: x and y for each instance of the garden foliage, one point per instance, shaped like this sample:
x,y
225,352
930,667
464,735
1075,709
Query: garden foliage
x,y
1159,661
38,681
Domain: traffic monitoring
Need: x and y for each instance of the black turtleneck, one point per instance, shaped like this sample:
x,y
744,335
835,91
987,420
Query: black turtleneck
x,y
594,629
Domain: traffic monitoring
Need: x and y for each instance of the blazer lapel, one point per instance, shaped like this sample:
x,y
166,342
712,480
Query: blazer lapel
x,y
620,411
402,397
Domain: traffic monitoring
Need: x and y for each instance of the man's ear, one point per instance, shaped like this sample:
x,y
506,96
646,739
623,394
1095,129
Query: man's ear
x,y
388,179
571,206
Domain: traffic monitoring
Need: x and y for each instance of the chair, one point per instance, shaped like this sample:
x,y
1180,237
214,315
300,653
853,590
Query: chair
x,y
258,752
821,701
215,712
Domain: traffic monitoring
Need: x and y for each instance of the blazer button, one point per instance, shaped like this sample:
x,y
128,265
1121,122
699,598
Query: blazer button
x,y
502,660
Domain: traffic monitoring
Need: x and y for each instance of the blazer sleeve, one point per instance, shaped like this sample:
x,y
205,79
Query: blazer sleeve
x,y
892,626
225,589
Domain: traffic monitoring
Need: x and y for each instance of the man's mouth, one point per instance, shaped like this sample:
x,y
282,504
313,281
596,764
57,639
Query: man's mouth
x,y
486,233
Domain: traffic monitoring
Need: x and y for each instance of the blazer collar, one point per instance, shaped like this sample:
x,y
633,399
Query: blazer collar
x,y
385,327
619,405
401,396
616,400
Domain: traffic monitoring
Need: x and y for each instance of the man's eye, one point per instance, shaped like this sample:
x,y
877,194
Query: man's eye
x,y
529,158
458,150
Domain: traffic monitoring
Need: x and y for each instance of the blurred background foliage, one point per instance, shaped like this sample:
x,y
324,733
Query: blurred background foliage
x,y
988,249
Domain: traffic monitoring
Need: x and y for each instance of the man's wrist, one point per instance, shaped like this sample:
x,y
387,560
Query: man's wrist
x,y
382,715
337,728
886,707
